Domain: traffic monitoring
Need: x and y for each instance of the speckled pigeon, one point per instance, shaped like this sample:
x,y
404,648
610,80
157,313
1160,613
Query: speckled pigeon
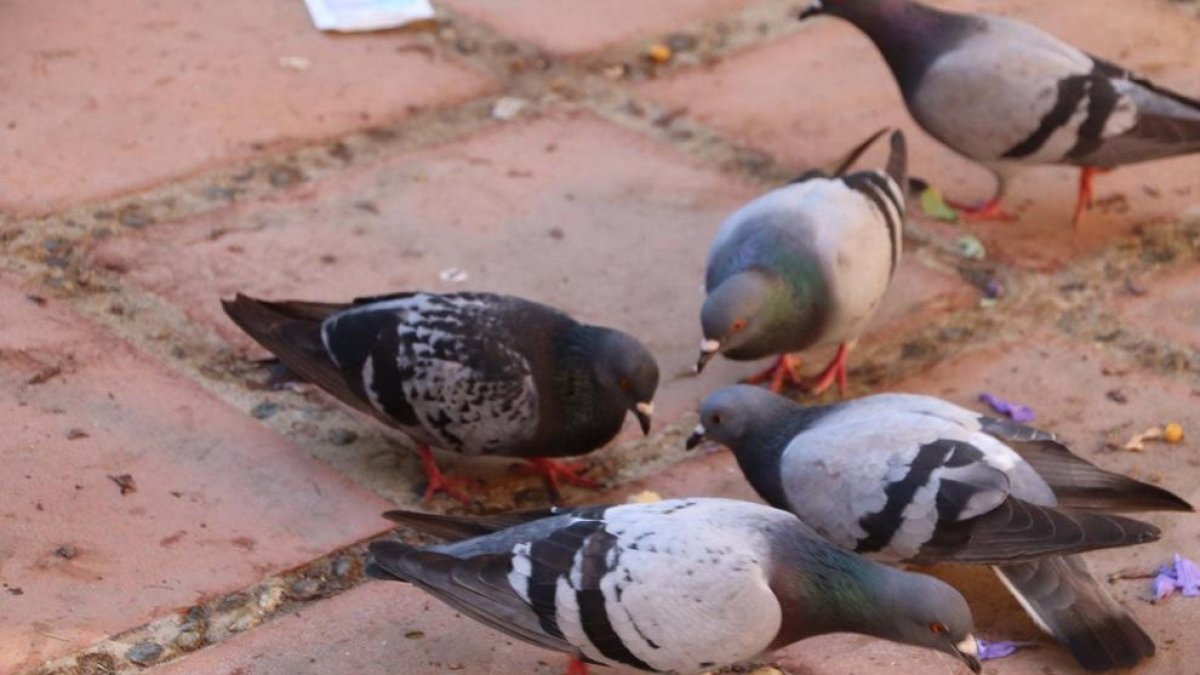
x,y
474,373
1004,93
803,266
913,478
680,586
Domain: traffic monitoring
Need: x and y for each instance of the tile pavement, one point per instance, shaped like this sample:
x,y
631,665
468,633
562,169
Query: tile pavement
x,y
556,203
103,97
218,501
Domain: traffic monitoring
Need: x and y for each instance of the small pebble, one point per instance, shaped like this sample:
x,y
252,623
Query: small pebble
x,y
264,410
342,436
189,640
76,434
66,551
508,107
1118,396
415,634
304,589
283,176
133,217
682,42
144,653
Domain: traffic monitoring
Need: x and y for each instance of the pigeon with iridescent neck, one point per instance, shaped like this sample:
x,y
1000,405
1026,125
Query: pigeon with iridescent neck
x,y
908,478
1007,94
677,586
805,266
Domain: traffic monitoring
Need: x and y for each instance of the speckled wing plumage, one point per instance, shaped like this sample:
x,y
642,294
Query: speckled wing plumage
x,y
645,585
458,371
441,367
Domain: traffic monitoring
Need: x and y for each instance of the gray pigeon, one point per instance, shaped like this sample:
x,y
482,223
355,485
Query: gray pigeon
x,y
804,266
1004,93
679,586
912,478
474,373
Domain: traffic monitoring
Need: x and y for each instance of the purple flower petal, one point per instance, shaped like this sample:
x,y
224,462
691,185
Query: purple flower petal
x,y
1000,649
1164,585
1187,576
1181,575
1014,411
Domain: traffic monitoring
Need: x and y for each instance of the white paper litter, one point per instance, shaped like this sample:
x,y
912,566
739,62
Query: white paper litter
x,y
363,15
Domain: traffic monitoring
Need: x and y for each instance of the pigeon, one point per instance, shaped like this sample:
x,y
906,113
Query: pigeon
x,y
1005,94
677,586
473,373
803,266
908,478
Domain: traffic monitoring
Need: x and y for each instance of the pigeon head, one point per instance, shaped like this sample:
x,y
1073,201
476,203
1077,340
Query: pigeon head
x,y
627,373
927,612
757,426
739,314
733,415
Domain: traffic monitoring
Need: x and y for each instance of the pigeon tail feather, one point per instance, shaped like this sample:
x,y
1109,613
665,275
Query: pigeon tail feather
x,y
291,330
1064,599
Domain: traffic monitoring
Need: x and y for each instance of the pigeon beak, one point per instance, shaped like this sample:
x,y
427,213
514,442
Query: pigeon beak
x,y
968,651
696,437
643,411
813,10
708,349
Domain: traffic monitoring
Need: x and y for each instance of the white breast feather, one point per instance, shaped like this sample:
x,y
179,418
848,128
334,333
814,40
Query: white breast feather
x,y
713,584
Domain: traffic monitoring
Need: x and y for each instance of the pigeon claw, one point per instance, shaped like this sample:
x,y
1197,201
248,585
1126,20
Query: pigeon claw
x,y
1084,201
836,370
436,481
783,370
577,666
989,210
553,472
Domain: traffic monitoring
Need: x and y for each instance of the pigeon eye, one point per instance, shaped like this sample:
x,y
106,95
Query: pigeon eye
x,y
738,325
625,384
716,418
937,628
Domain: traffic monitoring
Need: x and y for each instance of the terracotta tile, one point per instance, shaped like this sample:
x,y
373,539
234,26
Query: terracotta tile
x,y
103,97
791,98
1170,308
220,501
379,627
574,27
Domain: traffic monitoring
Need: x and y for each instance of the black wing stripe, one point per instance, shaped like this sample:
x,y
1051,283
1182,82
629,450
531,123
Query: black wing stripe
x,y
881,525
593,612
1071,91
550,559
875,188
1102,101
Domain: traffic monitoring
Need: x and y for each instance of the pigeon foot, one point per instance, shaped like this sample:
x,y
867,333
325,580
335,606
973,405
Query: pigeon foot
x,y
836,370
553,472
440,482
1084,201
784,369
989,210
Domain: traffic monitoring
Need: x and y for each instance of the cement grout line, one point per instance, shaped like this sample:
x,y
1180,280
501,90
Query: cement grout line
x,y
215,620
